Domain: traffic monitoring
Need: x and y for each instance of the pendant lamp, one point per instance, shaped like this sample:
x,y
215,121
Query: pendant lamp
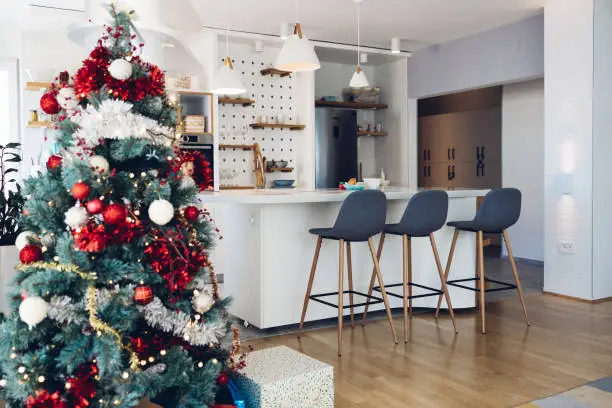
x,y
227,81
297,54
359,79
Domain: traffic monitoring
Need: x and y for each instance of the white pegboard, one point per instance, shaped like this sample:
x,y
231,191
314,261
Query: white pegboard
x,y
273,95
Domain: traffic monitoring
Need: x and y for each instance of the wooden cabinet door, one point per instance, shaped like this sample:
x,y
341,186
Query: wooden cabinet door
x,y
464,175
439,177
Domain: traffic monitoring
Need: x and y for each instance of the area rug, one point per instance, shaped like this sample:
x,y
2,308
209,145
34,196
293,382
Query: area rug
x,y
596,394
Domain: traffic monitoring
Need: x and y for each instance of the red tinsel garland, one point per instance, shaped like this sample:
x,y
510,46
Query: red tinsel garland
x,y
177,263
192,163
83,386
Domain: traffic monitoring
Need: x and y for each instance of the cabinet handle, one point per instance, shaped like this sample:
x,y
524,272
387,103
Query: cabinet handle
x,y
453,153
428,171
428,154
424,154
424,171
448,153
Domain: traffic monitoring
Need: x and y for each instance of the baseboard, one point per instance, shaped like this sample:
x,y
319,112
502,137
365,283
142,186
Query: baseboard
x,y
577,299
525,261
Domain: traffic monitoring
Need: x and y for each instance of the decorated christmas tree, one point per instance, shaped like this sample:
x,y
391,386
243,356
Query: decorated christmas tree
x,y
115,299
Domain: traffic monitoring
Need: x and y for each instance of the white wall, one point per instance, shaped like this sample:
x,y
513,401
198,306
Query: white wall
x,y
523,163
333,77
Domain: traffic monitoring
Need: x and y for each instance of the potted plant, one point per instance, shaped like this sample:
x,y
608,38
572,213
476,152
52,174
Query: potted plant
x,y
11,206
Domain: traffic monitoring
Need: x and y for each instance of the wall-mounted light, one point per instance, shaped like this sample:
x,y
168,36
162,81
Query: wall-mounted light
x,y
364,58
259,46
285,30
395,45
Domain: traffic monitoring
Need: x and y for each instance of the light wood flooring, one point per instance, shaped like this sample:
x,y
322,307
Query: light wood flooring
x,y
568,344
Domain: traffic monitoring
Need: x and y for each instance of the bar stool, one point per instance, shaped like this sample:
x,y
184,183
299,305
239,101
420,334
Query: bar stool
x,y
426,213
361,216
500,210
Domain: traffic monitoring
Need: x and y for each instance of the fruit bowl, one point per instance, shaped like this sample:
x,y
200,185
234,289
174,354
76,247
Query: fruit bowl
x,y
353,187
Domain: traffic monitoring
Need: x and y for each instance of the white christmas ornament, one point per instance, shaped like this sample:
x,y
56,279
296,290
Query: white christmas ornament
x,y
67,98
76,217
203,301
33,310
161,212
99,163
36,170
187,182
120,69
25,238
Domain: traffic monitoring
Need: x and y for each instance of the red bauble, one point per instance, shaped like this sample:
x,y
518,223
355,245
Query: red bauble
x,y
95,206
30,253
143,295
223,379
191,213
80,191
45,399
54,162
115,214
49,104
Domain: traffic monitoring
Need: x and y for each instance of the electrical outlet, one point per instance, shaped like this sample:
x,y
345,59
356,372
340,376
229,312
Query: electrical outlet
x,y
567,247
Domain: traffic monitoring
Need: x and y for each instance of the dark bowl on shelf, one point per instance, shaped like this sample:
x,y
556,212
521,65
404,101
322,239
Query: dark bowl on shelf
x,y
283,183
282,164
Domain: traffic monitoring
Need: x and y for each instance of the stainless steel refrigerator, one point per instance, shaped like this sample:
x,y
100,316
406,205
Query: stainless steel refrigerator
x,y
336,146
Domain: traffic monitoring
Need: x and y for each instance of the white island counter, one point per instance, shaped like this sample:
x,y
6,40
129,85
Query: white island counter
x,y
266,251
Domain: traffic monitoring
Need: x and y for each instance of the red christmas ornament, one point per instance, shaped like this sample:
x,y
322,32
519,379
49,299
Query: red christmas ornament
x,y
191,213
223,379
91,238
80,191
143,295
45,400
115,214
95,206
30,253
54,162
49,103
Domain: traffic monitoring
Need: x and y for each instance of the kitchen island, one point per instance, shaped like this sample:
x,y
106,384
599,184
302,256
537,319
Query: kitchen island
x,y
266,252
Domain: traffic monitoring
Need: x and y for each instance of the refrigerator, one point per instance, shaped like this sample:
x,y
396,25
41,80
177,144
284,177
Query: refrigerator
x,y
336,146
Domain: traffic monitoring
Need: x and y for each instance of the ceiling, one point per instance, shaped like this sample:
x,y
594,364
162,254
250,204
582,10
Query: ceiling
x,y
418,23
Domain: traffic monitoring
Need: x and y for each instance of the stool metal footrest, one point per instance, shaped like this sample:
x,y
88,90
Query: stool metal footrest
x,y
353,292
434,291
505,285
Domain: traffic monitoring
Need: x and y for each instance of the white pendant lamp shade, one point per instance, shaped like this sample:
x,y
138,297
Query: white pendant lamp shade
x,y
227,81
297,54
359,79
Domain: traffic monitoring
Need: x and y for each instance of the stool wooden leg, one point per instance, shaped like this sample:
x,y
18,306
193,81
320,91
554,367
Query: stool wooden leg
x,y
405,249
340,295
372,279
309,288
409,254
516,277
442,279
448,266
382,288
350,280
481,274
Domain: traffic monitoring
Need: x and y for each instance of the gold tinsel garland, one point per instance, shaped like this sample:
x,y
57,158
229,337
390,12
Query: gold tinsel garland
x,y
102,327
92,276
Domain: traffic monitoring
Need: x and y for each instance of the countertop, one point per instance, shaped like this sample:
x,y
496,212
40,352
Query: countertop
x,y
298,195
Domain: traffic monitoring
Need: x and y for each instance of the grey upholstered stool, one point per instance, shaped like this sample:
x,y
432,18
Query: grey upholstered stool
x,y
500,210
426,213
361,216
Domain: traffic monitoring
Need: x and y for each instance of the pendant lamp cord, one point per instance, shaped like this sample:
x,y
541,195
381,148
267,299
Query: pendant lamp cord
x,y
297,11
358,33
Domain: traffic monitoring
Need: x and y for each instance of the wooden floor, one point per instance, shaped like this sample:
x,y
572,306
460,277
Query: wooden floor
x,y
568,344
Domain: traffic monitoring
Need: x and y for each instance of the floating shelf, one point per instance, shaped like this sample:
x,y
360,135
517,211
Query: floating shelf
x,y
365,133
236,187
277,125
274,71
350,105
236,101
184,132
36,86
281,169
236,146
39,124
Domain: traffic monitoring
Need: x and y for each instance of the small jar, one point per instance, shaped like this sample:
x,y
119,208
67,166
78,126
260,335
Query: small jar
x,y
33,115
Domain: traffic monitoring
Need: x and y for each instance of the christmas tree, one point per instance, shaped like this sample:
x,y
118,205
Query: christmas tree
x,y
115,299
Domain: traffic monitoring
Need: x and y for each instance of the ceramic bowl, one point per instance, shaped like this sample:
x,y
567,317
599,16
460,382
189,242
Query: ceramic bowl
x,y
282,164
283,183
372,183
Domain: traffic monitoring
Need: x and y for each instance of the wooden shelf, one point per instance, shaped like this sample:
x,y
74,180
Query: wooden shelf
x,y
277,125
350,105
194,93
281,169
236,101
39,124
365,133
274,71
236,187
236,146
184,132
36,86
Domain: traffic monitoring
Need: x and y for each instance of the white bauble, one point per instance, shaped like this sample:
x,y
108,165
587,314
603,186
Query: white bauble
x,y
76,217
187,182
120,69
67,98
24,238
203,301
36,170
99,163
33,310
161,212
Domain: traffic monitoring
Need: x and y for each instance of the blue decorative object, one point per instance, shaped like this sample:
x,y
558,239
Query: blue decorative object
x,y
236,396
283,183
354,187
